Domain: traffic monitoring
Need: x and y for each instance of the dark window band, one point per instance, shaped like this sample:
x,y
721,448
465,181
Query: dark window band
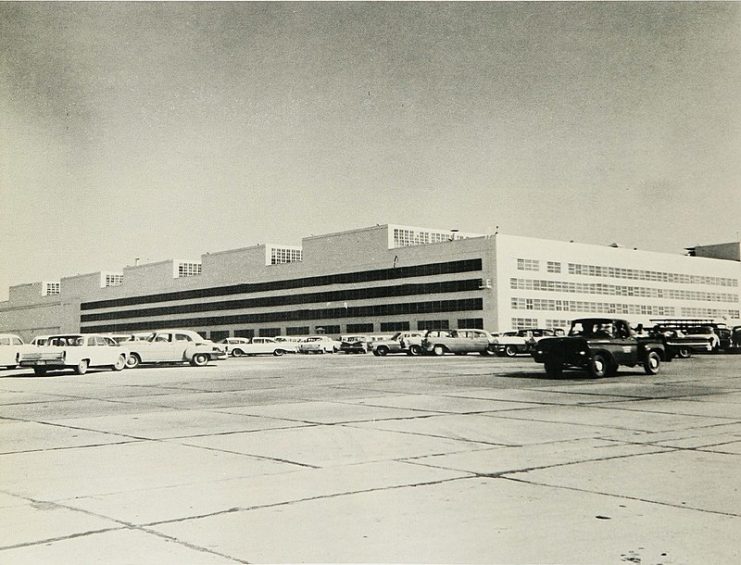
x,y
460,305
309,298
463,266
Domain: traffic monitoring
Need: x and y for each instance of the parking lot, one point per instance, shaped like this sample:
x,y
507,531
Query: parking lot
x,y
356,458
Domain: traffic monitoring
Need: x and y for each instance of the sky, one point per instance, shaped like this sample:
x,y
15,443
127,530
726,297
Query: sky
x,y
168,130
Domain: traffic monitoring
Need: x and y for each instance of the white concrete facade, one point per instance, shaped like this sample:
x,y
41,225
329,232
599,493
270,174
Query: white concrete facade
x,y
380,280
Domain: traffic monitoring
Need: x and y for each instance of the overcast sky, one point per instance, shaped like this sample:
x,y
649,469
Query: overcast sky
x,y
169,130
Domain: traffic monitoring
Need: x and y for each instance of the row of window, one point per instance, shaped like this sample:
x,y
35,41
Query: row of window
x,y
280,255
376,310
51,288
710,313
623,273
189,269
620,290
429,269
113,280
528,323
385,327
293,299
591,307
407,237
644,275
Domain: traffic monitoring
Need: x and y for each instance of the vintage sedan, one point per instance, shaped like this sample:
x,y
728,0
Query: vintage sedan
x,y
11,346
460,342
76,351
233,345
401,342
509,344
174,346
318,344
354,343
264,346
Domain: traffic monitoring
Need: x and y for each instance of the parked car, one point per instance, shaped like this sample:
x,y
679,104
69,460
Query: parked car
x,y
264,346
509,344
233,345
11,346
459,342
39,340
401,342
354,344
599,346
682,345
77,351
174,346
318,344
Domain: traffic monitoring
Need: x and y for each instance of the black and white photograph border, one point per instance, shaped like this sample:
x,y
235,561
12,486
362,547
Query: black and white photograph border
x,y
370,282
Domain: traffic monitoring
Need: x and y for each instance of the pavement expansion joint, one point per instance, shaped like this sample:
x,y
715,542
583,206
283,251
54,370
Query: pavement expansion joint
x,y
622,496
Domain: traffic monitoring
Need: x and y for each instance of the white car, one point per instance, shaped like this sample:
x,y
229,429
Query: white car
x,y
509,344
318,344
264,346
11,346
174,346
76,351
233,345
39,340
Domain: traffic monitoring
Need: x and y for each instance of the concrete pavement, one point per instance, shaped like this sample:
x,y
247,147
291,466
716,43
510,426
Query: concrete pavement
x,y
351,458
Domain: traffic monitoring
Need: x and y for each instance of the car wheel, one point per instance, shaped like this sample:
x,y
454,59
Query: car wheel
x,y
415,350
133,361
438,350
600,366
278,352
120,363
553,370
510,351
82,367
652,364
684,352
383,350
39,371
488,352
199,360
237,352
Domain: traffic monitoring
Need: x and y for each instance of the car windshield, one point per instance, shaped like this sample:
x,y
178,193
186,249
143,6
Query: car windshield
x,y
67,341
596,328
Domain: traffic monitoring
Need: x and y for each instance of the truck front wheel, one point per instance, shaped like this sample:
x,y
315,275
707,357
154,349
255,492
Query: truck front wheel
x,y
601,365
652,363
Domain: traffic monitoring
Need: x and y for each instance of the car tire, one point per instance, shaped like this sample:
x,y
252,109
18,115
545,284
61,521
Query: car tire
x,y
652,363
39,371
684,352
279,352
199,360
600,366
133,361
120,364
553,370
415,350
510,351
382,351
237,353
438,350
82,367
488,352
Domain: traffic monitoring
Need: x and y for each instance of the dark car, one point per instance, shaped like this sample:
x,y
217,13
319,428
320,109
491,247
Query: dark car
x,y
599,346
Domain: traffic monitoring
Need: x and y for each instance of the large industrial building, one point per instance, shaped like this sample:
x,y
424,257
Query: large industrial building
x,y
383,279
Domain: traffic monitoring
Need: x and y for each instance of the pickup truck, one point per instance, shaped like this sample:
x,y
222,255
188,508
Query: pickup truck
x,y
599,346
460,342
76,351
174,346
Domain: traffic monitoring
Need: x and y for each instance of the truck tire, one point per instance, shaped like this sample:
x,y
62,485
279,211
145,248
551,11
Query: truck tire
x,y
652,363
199,360
602,365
